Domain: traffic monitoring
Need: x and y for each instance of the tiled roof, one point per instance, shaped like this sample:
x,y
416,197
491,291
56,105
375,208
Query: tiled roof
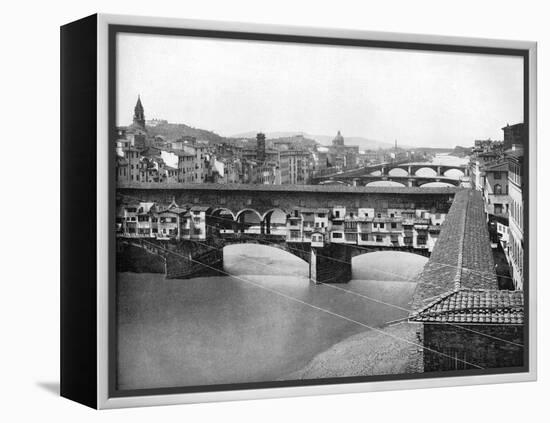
x,y
474,306
175,210
462,256
420,191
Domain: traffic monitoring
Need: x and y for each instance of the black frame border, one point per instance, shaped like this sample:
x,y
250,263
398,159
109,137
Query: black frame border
x,y
114,29
78,185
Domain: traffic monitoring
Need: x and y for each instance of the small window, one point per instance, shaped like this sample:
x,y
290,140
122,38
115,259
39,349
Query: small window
x,y
394,225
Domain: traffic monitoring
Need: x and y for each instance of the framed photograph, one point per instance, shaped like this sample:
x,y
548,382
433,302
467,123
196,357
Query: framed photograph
x,y
253,211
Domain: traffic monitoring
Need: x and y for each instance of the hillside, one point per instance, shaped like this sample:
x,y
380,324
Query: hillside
x,y
363,143
173,131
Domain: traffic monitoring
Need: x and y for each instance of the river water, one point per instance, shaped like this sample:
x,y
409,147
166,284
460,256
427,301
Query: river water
x,y
262,323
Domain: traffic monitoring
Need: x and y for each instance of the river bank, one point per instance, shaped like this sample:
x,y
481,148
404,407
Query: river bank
x,y
371,353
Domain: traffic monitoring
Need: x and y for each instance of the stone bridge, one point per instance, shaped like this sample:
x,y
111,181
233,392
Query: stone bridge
x,y
185,259
406,181
330,263
384,169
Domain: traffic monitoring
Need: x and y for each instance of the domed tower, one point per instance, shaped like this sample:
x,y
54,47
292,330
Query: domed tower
x,y
338,139
139,114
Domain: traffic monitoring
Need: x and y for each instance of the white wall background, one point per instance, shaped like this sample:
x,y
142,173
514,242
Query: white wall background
x,y
29,98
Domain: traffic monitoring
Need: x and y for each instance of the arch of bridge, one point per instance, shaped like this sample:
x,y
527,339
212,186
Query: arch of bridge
x,y
415,167
271,211
218,210
333,182
248,210
358,251
283,245
450,183
419,168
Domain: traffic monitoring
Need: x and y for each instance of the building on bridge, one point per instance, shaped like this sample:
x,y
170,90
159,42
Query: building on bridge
x,y
414,229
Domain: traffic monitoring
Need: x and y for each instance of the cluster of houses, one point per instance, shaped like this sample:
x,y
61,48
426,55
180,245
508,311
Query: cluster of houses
x,y
145,158
414,229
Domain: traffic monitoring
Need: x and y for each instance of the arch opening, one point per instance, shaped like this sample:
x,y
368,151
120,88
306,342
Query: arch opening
x,y
453,173
397,171
405,266
275,222
249,221
221,220
258,259
425,171
437,185
385,184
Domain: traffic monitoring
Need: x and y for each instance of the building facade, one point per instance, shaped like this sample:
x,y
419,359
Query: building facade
x,y
516,216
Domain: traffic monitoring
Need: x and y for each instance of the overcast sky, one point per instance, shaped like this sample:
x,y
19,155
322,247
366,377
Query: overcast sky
x,y
231,87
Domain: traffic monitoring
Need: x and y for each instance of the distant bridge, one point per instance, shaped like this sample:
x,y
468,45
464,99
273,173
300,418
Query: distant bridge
x,y
406,181
379,172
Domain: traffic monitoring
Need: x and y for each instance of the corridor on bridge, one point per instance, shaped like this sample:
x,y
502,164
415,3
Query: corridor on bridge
x,y
276,335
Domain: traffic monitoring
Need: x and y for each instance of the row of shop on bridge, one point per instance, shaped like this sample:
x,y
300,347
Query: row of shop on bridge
x,y
411,228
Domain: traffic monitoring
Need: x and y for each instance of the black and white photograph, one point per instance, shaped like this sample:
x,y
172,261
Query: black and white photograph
x,y
305,211
292,211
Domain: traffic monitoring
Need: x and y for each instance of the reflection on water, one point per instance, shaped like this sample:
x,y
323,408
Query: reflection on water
x,y
226,330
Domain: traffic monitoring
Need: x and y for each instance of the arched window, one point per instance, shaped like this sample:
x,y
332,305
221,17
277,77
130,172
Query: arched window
x,y
498,189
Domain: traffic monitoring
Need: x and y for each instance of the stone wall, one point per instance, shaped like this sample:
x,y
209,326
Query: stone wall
x,y
487,346
131,258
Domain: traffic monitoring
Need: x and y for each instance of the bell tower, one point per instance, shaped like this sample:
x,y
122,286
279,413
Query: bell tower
x,y
139,114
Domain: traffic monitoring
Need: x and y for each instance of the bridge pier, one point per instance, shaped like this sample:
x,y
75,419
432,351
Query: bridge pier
x,y
330,264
